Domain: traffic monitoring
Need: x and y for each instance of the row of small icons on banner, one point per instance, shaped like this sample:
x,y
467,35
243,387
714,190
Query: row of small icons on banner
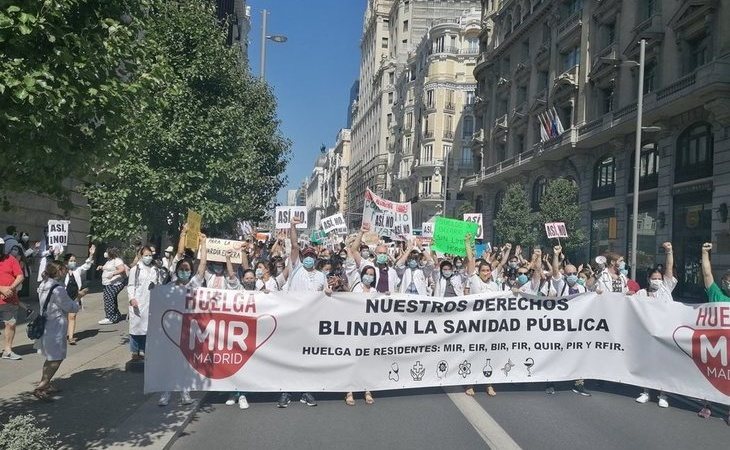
x,y
442,369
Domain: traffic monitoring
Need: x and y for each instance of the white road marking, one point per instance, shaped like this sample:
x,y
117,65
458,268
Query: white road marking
x,y
488,428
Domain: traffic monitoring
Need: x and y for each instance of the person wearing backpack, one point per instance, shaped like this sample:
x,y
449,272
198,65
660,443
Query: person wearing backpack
x,y
55,307
74,282
143,277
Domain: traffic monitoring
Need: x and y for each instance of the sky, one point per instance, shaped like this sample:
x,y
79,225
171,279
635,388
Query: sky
x,y
311,74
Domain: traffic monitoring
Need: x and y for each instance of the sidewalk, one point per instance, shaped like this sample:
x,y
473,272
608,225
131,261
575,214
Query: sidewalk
x,y
101,405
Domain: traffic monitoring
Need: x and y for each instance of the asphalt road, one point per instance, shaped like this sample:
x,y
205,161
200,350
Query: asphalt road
x,y
430,419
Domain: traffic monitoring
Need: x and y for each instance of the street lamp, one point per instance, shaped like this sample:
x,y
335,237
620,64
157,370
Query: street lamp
x,y
278,38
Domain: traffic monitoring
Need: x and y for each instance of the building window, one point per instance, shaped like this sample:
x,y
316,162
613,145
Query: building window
x,y
609,34
521,94
426,186
466,158
647,8
472,45
520,143
694,153
698,53
538,190
603,231
389,119
468,127
604,178
391,77
427,153
501,153
405,26
407,146
571,59
430,99
409,121
648,167
448,123
446,152
606,99
390,98
384,42
542,80
439,44
525,50
650,77
470,96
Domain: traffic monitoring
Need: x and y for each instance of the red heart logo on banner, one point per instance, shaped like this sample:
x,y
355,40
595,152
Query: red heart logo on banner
x,y
709,349
217,345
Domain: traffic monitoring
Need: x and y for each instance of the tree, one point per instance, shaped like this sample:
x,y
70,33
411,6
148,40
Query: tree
x,y
559,203
69,69
516,222
208,140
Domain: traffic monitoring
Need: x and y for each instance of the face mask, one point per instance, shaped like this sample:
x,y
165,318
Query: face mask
x,y
147,260
412,263
655,285
513,265
571,279
459,265
24,238
168,254
217,269
581,281
279,270
365,254
249,285
522,279
447,273
183,275
343,255
624,272
259,273
71,265
308,262
106,255
367,280
622,265
382,258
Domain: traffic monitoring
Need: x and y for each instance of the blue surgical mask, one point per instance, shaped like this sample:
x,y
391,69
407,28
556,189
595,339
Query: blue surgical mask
x,y
581,281
412,263
259,273
217,269
382,258
622,265
308,262
71,265
447,273
367,280
522,279
571,279
183,275
624,272
147,260
365,254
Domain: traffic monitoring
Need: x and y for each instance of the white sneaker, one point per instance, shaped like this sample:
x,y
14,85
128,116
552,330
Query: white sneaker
x,y
643,398
231,400
164,399
242,402
105,321
185,398
663,403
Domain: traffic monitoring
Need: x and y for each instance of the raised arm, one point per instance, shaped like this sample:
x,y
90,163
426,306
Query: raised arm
x,y
229,264
470,260
357,243
203,252
706,265
557,250
669,260
181,241
294,256
536,265
244,257
404,257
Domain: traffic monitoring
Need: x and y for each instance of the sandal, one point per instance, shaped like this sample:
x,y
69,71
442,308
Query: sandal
x,y
490,391
469,391
71,341
42,394
705,413
349,400
369,398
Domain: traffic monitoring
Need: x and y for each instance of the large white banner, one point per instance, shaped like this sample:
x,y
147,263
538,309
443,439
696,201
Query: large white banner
x,y
387,219
218,340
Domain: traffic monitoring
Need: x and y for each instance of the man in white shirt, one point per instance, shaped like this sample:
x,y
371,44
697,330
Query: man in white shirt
x,y
414,279
567,283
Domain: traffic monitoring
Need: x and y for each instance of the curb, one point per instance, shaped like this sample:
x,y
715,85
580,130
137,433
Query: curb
x,y
196,407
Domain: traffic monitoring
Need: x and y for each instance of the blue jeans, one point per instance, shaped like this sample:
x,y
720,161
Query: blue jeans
x,y
137,343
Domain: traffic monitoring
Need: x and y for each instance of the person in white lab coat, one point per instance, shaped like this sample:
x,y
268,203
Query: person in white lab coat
x,y
53,342
143,277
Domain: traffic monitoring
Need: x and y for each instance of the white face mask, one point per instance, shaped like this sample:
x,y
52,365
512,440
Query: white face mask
x,y
655,285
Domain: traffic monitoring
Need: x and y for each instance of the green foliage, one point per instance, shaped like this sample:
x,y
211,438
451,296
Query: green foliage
x,y
208,139
23,433
516,222
559,203
69,70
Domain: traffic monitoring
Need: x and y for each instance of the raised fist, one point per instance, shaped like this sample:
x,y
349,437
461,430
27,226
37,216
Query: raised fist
x,y
558,249
667,246
706,247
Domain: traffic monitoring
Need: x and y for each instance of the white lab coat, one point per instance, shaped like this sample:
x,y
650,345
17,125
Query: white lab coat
x,y
141,277
419,276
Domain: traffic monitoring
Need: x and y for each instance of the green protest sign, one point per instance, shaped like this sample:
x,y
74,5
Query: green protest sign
x,y
317,237
449,235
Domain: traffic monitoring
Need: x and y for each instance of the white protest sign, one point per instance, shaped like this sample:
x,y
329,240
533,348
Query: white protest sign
x,y
334,222
217,248
386,218
477,219
284,215
221,340
58,232
556,230
427,229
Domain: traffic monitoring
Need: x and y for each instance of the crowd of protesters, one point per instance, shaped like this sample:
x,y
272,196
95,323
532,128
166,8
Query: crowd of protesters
x,y
284,263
